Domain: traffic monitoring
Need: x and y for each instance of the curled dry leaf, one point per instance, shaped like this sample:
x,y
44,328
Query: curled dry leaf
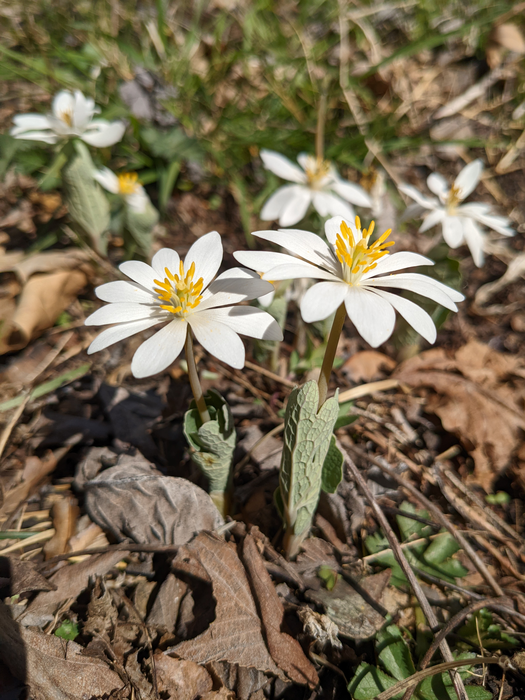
x,y
180,679
479,398
64,513
136,501
52,667
50,261
35,470
235,635
285,650
367,366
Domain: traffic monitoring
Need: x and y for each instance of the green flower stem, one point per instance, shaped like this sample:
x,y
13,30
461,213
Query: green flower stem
x,y
194,379
329,356
319,134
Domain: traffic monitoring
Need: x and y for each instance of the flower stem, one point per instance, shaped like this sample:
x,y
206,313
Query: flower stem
x,y
319,134
194,379
329,356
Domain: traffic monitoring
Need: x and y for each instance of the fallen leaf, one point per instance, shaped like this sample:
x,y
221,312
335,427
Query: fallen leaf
x,y
348,608
285,650
181,679
64,513
136,501
479,398
70,581
367,366
235,635
35,470
102,613
165,608
508,36
221,694
50,261
23,576
52,668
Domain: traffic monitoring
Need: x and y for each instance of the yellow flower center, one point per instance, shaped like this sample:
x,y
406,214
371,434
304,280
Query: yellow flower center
x,y
67,117
127,183
357,257
316,170
180,292
454,198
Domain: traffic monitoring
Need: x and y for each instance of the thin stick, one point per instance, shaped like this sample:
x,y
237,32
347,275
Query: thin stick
x,y
405,566
329,356
271,375
194,379
319,133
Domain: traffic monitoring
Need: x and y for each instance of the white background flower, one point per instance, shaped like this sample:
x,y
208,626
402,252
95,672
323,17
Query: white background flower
x,y
183,296
460,222
350,270
126,185
317,182
72,115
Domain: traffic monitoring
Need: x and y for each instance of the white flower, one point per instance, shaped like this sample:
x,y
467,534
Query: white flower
x,y
182,295
126,185
350,266
317,182
459,221
72,115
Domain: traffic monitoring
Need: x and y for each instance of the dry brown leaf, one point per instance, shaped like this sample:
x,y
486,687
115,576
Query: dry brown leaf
x,y
43,299
23,576
235,635
53,668
35,470
180,679
50,261
84,538
285,650
70,581
475,400
136,501
65,514
367,366
348,608
508,36
165,608
221,694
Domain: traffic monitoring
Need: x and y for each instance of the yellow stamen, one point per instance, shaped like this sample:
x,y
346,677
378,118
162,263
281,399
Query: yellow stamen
x,y
180,292
67,117
454,197
316,170
127,183
358,258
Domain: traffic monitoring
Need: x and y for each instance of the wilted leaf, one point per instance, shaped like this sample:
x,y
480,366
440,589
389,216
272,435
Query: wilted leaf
x,y
181,679
285,650
479,398
235,635
50,666
135,501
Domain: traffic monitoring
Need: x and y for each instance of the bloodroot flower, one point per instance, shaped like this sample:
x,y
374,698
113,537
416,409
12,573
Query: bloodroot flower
x,y
460,222
317,182
72,115
183,296
353,271
126,185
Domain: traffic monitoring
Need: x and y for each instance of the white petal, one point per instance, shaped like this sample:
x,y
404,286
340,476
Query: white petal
x,y
161,350
218,339
481,212
372,315
397,261
475,239
296,208
101,133
138,201
427,202
431,219
322,299
232,287
120,312
305,244
420,284
45,136
266,299
299,270
140,273
245,320
29,122
352,193
274,206
262,260
121,331
328,204
107,179
452,231
413,314
206,253
83,110
467,180
165,258
281,166
437,184
332,228
121,291
63,103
